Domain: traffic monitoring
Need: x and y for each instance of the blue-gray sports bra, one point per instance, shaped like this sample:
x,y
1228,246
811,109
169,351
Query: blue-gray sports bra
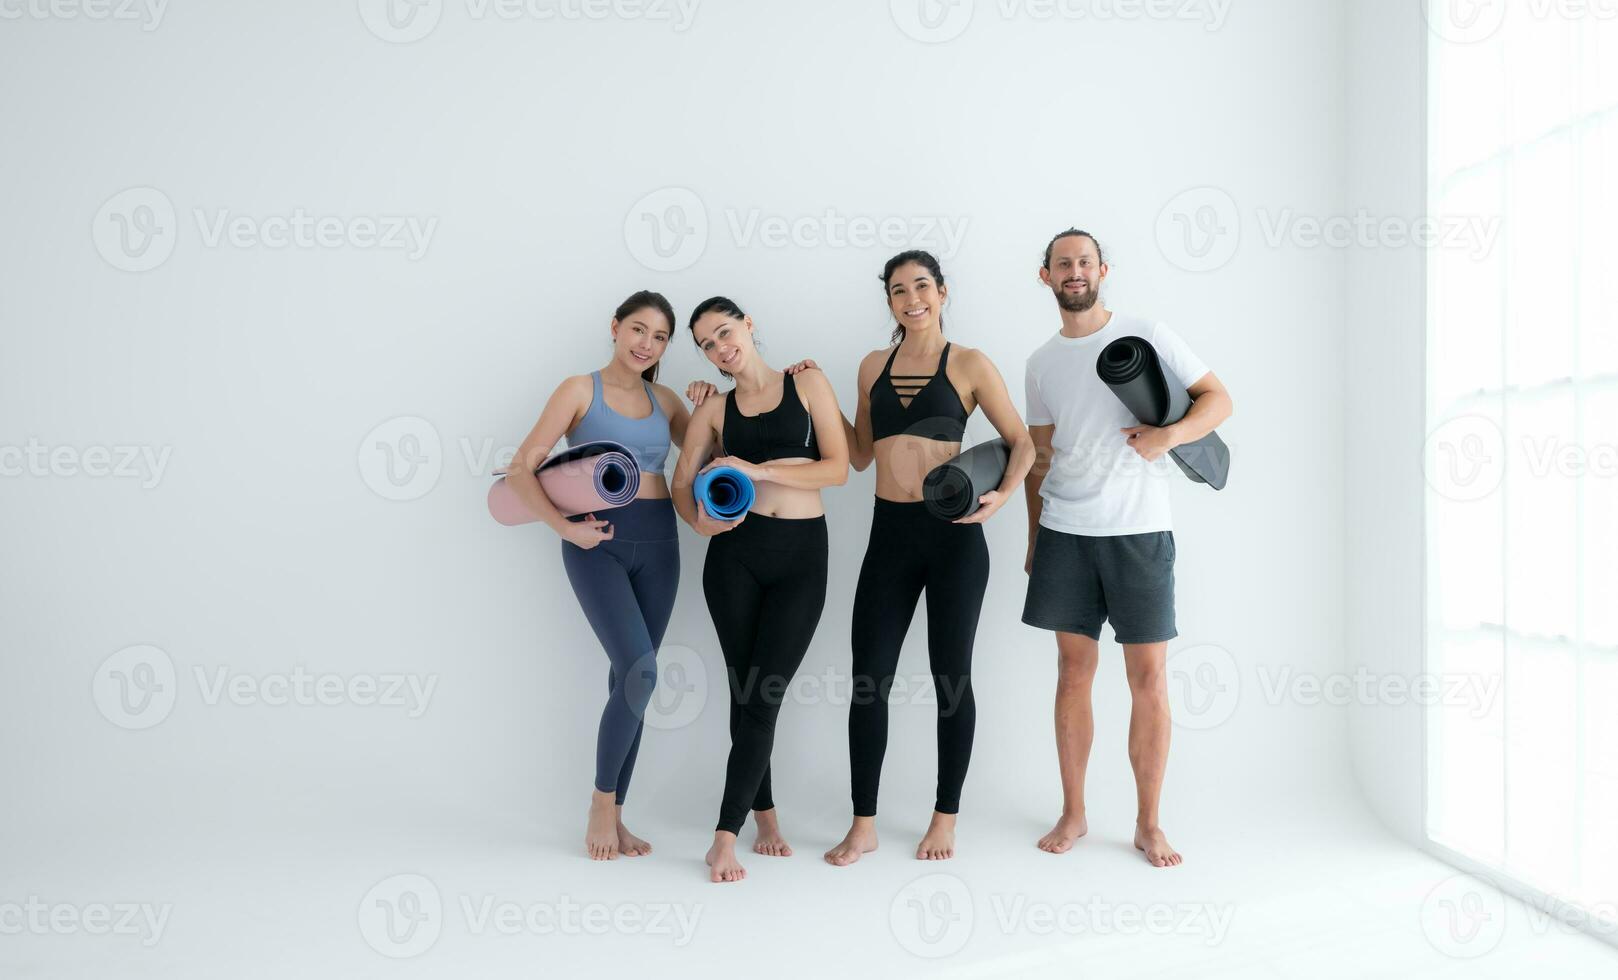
x,y
647,439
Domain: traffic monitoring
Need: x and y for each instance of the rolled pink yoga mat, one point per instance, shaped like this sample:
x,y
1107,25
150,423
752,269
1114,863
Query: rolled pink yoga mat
x,y
581,480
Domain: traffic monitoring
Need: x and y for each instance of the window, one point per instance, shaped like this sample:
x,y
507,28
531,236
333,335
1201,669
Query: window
x,y
1522,404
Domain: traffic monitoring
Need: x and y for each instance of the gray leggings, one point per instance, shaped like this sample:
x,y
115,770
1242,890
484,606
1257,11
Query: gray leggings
x,y
626,587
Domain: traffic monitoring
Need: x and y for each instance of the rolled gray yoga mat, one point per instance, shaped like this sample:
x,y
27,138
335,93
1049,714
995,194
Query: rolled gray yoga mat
x,y
952,489
1148,388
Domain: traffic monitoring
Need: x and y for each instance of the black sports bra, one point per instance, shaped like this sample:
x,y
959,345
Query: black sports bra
x,y
784,432
935,410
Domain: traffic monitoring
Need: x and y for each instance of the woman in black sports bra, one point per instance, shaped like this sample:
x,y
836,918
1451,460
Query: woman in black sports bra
x,y
765,574
914,403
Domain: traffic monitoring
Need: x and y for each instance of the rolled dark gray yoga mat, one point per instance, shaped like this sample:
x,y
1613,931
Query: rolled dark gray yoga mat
x,y
1148,388
952,489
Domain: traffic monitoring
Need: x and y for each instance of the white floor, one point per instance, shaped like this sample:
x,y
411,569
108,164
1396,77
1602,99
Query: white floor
x,y
1329,898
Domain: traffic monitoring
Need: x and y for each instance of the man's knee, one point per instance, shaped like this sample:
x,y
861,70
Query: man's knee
x,y
1077,657
1148,675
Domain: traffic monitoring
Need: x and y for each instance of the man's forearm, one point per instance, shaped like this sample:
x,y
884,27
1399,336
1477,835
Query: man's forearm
x,y
1206,414
1036,503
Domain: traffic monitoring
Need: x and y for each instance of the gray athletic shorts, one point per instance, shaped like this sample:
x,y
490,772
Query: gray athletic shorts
x,y
1079,581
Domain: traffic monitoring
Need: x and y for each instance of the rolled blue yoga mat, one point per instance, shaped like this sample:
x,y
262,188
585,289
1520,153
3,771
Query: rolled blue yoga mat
x,y
724,492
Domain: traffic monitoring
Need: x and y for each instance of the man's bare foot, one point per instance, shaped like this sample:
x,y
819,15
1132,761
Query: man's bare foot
x,y
628,844
769,841
1065,834
601,834
861,840
1156,846
722,858
939,842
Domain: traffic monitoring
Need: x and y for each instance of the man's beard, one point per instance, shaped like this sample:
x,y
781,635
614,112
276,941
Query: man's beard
x,y
1076,304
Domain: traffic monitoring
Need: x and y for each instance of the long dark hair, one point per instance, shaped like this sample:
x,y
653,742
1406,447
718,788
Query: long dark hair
x,y
925,260
717,304
646,299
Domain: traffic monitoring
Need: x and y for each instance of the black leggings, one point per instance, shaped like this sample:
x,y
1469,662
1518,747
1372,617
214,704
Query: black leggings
x,y
765,583
910,550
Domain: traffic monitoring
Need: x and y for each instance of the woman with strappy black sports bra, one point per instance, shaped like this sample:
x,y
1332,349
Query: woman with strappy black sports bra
x,y
765,574
915,398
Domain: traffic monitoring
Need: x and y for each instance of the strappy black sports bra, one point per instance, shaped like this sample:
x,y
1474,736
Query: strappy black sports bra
x,y
784,432
935,410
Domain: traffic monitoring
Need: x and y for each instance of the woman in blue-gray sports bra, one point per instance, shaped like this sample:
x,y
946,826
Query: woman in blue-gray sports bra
x,y
624,565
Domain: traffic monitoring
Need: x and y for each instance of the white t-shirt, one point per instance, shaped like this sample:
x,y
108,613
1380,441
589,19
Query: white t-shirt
x,y
1097,484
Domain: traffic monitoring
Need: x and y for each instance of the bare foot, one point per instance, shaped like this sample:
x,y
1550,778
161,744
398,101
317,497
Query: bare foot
x,y
1065,834
769,841
1156,846
939,843
722,858
601,835
628,844
861,840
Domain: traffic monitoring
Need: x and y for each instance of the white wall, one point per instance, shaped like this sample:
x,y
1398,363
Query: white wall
x,y
263,549
1386,304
